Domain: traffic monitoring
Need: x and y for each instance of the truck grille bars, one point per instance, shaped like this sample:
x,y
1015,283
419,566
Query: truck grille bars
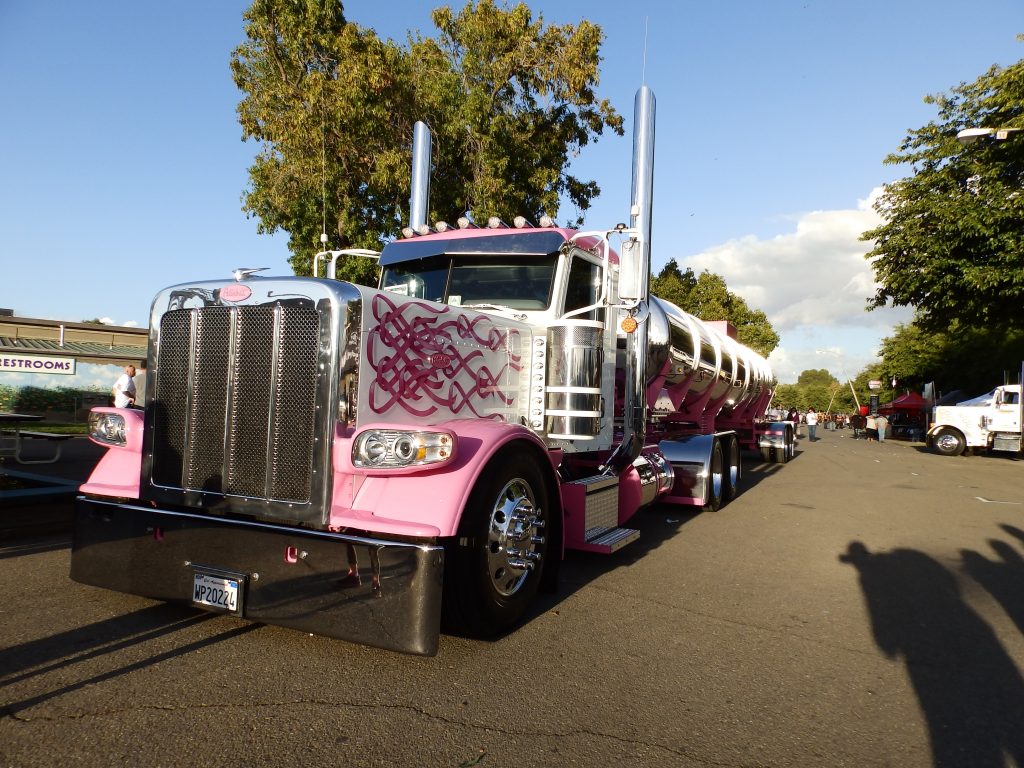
x,y
234,403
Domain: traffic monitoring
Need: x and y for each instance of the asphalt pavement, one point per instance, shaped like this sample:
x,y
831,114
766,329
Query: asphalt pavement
x,y
862,605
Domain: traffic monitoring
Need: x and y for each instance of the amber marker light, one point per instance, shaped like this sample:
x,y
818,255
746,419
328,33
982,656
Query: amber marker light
x,y
629,324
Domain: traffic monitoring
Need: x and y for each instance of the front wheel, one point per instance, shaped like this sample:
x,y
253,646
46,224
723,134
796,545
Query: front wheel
x,y
949,442
494,568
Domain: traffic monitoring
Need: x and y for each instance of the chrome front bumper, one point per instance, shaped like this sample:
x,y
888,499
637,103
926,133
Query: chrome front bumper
x,y
381,593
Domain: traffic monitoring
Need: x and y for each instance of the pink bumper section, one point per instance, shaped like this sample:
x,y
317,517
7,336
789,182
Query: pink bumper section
x,y
426,503
423,504
117,473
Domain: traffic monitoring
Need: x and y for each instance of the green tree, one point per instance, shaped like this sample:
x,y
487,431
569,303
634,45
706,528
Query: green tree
x,y
815,388
709,298
788,396
509,102
970,359
951,244
913,355
815,377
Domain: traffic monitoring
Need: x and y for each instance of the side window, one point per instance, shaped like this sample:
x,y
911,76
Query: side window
x,y
1011,398
584,287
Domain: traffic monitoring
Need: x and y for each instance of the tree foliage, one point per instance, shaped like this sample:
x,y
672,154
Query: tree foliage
x,y
509,100
709,298
970,359
819,389
951,244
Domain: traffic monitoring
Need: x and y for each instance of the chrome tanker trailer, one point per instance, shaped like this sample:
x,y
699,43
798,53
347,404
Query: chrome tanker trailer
x,y
361,462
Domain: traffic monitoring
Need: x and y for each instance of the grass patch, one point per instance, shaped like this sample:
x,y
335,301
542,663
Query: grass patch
x,y
56,429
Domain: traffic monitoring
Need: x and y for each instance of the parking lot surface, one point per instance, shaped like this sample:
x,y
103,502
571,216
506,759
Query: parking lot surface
x,y
862,605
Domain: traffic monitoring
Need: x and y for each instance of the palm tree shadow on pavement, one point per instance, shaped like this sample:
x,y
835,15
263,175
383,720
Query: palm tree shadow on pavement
x,y
969,690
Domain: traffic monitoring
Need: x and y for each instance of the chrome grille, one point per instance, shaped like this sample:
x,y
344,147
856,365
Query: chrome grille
x,y
234,401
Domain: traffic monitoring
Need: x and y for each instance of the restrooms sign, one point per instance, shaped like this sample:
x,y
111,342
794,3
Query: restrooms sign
x,y
64,366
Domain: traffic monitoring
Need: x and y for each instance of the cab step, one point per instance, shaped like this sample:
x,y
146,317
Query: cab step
x,y
608,540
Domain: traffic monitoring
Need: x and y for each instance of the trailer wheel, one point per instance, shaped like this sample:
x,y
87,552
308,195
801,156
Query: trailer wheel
x,y
494,568
716,478
782,454
733,469
767,453
949,442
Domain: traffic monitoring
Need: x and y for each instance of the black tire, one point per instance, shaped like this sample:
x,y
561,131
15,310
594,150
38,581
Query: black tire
x,y
733,469
788,451
949,442
493,569
767,453
716,478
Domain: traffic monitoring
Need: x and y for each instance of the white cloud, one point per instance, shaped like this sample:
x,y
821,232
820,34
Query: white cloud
x,y
125,324
813,284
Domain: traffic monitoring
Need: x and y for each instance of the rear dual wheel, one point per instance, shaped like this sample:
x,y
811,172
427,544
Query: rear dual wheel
x,y
733,468
716,478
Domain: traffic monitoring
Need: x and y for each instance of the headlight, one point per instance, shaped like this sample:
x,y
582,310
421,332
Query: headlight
x,y
107,428
395,449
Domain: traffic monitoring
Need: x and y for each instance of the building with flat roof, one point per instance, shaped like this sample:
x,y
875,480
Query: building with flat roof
x,y
85,342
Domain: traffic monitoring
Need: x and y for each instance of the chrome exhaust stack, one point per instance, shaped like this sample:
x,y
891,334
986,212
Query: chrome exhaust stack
x,y
635,284
420,189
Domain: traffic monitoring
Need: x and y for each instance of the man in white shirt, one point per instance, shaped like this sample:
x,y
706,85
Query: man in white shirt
x,y
812,424
124,388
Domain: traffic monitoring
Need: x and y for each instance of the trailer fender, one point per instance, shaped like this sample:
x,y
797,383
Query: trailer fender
x,y
698,463
427,503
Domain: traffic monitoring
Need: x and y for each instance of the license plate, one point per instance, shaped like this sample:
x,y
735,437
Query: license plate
x,y
218,593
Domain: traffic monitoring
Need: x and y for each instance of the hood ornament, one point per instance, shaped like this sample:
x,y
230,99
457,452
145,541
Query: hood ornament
x,y
244,273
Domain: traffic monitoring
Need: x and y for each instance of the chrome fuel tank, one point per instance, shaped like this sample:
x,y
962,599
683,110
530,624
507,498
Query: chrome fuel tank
x,y
687,350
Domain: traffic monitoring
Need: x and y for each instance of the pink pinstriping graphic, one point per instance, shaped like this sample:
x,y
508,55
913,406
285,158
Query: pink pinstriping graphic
x,y
403,344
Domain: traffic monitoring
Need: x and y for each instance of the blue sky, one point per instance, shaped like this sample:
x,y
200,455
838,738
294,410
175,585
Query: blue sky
x,y
124,167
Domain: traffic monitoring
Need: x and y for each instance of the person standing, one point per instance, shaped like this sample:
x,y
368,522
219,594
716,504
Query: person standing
x,y
124,388
871,427
881,424
812,424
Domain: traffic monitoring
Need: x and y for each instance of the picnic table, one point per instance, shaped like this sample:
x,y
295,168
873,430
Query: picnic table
x,y
12,438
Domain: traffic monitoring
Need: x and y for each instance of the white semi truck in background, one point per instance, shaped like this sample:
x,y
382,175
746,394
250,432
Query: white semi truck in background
x,y
991,422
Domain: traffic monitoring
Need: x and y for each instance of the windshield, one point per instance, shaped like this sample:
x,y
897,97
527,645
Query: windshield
x,y
515,282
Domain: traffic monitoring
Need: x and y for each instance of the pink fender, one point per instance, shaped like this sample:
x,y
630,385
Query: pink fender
x,y
428,503
117,473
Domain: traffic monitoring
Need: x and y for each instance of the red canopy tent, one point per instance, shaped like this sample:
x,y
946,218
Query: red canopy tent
x,y
906,416
908,403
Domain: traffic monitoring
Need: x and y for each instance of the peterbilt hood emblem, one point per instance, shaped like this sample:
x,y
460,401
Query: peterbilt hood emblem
x,y
235,292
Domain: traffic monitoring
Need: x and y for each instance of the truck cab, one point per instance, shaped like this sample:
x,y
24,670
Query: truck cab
x,y
990,422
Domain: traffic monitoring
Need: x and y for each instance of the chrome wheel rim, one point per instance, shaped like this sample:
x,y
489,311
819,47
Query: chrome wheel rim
x,y
513,537
947,442
716,474
734,465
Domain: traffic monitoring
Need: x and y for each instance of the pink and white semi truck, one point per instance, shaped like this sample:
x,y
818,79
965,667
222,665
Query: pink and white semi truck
x,y
363,463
